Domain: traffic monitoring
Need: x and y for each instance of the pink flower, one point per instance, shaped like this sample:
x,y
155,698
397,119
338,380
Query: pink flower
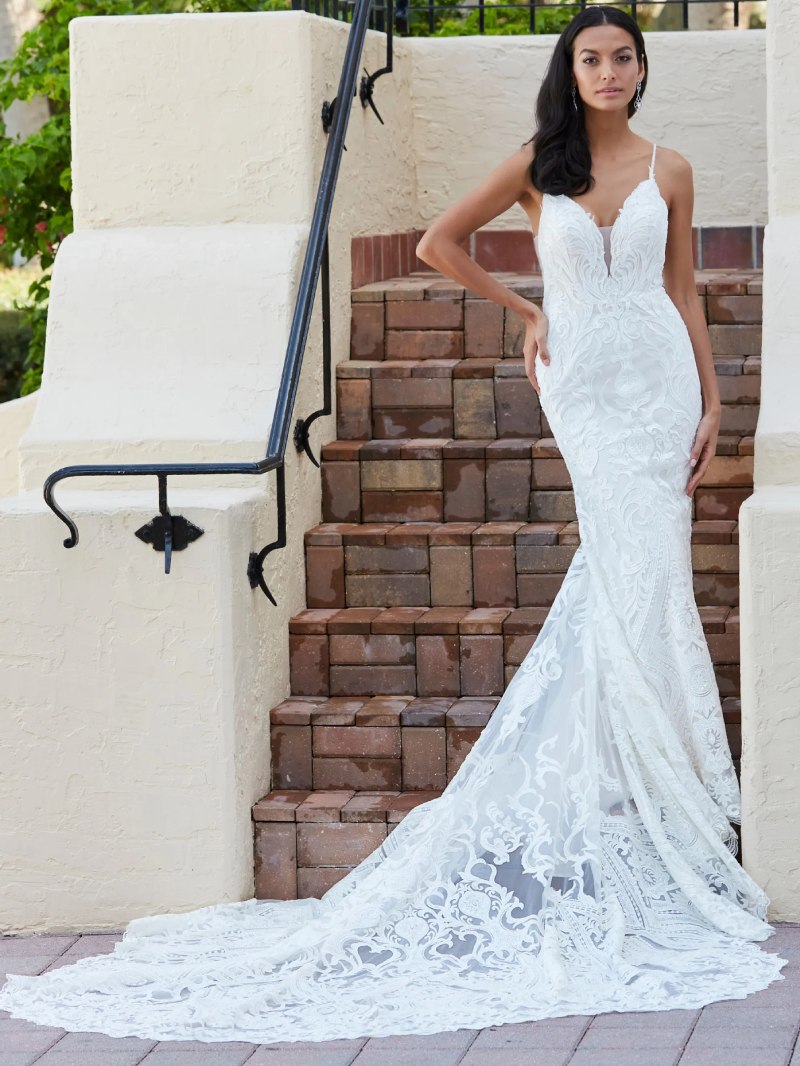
x,y
41,227
3,232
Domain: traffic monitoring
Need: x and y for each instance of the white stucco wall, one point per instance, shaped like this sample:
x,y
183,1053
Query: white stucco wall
x,y
474,98
15,417
770,519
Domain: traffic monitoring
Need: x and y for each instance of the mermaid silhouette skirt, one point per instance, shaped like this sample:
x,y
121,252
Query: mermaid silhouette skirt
x,y
582,859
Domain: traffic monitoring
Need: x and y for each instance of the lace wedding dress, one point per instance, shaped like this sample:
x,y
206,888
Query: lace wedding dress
x,y
582,859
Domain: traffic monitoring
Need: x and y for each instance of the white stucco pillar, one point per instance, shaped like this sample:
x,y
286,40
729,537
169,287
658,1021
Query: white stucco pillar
x,y
770,519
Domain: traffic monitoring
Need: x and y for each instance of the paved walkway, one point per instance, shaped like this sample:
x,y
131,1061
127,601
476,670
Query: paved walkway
x,y
759,1031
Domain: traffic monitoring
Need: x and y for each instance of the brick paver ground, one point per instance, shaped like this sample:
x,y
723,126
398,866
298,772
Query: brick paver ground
x,y
759,1031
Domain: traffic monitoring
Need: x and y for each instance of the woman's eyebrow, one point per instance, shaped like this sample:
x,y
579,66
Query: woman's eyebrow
x,y
622,48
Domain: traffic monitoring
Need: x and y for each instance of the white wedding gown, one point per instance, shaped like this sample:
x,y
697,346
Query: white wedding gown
x,y
582,859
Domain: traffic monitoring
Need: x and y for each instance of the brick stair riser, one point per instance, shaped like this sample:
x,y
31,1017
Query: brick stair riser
x,y
444,651
503,564
426,317
304,843
488,399
519,480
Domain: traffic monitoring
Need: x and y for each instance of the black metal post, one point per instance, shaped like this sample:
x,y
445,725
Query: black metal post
x,y
481,16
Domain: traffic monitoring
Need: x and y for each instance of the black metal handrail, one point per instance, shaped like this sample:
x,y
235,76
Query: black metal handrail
x,y
168,532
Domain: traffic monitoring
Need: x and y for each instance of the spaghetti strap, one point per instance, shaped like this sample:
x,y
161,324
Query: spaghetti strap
x,y
653,162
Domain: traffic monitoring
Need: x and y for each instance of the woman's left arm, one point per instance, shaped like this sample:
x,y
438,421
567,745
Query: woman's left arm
x,y
679,281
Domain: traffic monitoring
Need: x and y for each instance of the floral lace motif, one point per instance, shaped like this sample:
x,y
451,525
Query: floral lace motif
x,y
582,859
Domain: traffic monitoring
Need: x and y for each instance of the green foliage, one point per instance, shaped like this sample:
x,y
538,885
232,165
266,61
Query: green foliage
x,y
15,338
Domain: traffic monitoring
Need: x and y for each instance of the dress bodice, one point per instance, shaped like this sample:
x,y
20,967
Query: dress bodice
x,y
571,247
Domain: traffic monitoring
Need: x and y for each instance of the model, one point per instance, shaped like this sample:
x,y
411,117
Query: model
x,y
583,858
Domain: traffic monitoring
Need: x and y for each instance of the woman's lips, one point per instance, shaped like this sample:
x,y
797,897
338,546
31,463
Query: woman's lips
x,y
608,92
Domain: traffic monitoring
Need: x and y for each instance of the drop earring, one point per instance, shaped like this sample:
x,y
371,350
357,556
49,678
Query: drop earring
x,y
574,97
637,103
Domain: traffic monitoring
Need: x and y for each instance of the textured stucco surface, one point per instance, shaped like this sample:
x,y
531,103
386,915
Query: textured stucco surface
x,y
15,417
474,98
770,519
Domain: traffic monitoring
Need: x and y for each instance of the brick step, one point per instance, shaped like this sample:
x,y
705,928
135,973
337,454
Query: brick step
x,y
468,564
491,398
444,652
404,751
520,480
304,841
426,316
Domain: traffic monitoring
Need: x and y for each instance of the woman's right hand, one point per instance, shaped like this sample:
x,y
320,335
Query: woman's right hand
x,y
535,343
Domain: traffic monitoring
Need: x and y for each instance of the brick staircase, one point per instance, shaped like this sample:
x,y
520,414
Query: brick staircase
x,y
448,526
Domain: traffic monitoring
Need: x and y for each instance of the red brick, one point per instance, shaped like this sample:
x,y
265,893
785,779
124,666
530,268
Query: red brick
x,y
484,621
726,247
550,474
740,388
570,535
452,534
713,618
424,758
407,802
337,711
337,843
715,558
724,647
728,680
311,622
481,666
459,744
368,807
393,506
424,344
720,503
383,710
496,533
291,712
389,649
524,620
505,250
388,590
473,408
508,489
354,408
728,471
544,559
747,446
440,620
341,492
427,710
712,532
353,620
279,806
291,756
323,806
397,620
552,506
356,741
732,621
372,680
425,314
308,665
483,329
387,558
716,590
412,392
415,533
412,422
493,576
538,590
513,336
340,451
469,713
539,533
451,576
356,773
314,882
438,666
516,408
516,648
742,309
735,341
366,331
464,490
367,534
275,860
325,577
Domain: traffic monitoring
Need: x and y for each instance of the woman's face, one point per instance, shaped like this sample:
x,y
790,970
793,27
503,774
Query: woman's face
x,y
604,67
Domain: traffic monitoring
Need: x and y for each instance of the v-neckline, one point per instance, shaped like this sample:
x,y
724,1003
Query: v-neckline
x,y
590,216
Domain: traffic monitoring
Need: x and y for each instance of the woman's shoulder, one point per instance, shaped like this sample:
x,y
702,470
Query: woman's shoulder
x,y
672,163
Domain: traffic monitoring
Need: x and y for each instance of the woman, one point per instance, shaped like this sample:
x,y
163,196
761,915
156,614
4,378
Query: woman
x,y
582,859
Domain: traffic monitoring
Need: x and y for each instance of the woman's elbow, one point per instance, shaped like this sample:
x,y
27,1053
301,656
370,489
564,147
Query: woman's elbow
x,y
425,249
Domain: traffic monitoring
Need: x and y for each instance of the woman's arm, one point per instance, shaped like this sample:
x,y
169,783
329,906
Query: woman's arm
x,y
679,281
441,248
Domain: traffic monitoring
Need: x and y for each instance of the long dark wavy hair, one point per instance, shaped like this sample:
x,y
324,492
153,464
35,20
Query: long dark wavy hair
x,y
562,161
